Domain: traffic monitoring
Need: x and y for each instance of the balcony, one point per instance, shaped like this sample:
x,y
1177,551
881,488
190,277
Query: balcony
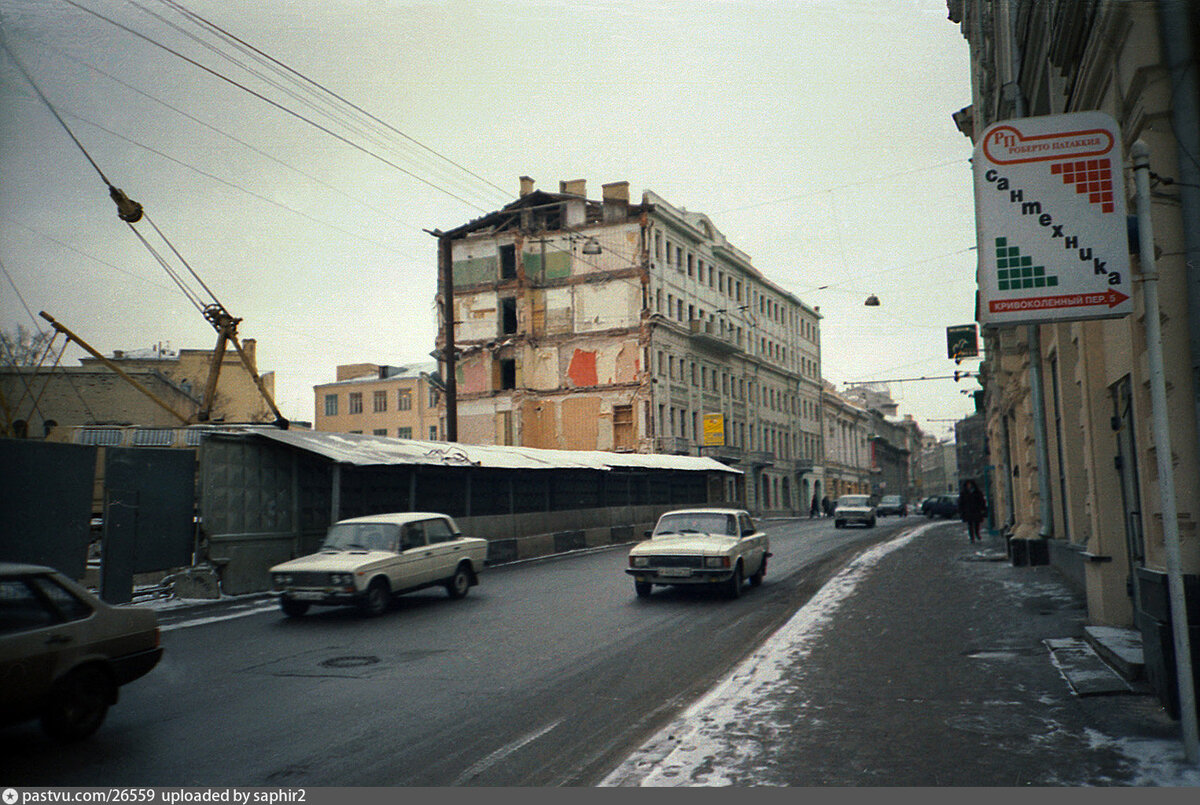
x,y
726,454
758,458
672,445
708,334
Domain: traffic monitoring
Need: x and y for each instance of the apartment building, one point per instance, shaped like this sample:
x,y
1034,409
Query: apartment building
x,y
611,325
1094,490
398,401
847,445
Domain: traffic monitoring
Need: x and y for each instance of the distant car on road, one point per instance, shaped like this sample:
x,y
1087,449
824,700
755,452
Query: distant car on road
x,y
717,547
64,652
940,506
854,509
892,504
366,560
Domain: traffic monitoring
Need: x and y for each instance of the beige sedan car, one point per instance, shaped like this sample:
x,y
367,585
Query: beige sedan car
x,y
64,652
721,548
366,560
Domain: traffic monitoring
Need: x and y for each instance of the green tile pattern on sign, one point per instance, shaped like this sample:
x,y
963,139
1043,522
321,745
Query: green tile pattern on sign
x,y
1016,272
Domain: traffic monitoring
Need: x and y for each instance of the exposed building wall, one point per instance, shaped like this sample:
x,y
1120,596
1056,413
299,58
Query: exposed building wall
x,y
630,348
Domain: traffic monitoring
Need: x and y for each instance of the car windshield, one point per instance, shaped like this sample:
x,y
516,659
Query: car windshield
x,y
361,537
697,523
890,499
852,500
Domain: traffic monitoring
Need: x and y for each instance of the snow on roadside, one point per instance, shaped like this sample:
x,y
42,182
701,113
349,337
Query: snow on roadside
x,y
686,751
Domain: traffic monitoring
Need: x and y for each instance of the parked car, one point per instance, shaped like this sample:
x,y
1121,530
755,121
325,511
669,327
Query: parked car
x,y
941,506
892,504
854,509
64,652
365,561
721,548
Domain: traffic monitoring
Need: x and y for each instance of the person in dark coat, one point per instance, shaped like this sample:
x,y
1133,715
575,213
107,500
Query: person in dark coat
x,y
813,511
971,508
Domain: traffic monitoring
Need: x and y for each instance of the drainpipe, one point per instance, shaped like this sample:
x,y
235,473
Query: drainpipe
x,y
1179,55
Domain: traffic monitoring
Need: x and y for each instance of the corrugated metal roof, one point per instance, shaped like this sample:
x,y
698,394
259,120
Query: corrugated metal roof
x,y
363,450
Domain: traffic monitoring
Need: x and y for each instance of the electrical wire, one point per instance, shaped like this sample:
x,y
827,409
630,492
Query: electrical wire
x,y
217,130
273,103
213,26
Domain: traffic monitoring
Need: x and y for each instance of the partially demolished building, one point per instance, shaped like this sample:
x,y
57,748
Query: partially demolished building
x,y
609,325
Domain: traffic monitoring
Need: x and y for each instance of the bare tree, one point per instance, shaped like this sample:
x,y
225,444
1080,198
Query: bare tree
x,y
23,347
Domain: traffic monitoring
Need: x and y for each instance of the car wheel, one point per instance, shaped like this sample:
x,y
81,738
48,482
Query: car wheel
x,y
293,608
757,578
838,524
78,705
733,587
376,601
459,583
642,588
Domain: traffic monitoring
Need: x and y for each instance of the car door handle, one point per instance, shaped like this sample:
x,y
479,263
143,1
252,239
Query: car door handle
x,y
57,640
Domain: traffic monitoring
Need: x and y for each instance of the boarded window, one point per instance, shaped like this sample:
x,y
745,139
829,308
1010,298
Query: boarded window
x,y
623,427
508,373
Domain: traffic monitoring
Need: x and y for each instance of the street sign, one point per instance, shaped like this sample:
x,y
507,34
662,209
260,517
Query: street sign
x,y
714,430
1050,217
962,342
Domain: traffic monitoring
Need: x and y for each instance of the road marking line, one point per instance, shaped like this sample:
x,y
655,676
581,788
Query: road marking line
x,y
217,618
501,753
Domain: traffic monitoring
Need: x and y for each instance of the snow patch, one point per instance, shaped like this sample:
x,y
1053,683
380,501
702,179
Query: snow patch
x,y
697,749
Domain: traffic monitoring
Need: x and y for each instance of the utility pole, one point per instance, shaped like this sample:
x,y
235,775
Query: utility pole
x,y
446,281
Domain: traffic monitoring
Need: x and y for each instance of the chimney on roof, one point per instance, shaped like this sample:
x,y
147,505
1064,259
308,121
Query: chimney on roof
x,y
575,187
526,185
616,202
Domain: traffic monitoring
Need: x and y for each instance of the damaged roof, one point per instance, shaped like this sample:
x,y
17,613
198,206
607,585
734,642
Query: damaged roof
x,y
363,450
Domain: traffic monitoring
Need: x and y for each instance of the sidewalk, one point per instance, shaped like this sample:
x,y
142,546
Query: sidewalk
x,y
926,662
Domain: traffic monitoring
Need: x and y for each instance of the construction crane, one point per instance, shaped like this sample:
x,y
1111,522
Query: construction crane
x,y
226,326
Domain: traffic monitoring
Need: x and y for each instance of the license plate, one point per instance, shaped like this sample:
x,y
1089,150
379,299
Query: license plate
x,y
675,572
305,595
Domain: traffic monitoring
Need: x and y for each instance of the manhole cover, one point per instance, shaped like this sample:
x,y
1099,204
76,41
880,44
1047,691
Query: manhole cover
x,y
349,662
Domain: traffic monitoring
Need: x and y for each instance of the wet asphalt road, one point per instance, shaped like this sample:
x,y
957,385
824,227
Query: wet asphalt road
x,y
548,673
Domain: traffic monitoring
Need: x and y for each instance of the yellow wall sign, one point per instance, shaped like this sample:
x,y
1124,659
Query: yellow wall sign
x,y
714,430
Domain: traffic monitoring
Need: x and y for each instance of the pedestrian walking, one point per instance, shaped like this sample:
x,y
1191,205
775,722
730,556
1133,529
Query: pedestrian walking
x,y
971,508
826,506
813,511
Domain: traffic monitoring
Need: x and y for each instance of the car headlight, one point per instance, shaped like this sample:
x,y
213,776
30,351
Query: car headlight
x,y
341,579
639,561
282,580
716,561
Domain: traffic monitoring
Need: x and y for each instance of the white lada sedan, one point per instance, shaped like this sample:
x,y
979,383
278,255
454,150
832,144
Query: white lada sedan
x,y
367,560
717,547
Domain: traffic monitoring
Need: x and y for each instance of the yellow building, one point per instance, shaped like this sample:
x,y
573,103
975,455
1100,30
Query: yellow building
x,y
92,394
397,401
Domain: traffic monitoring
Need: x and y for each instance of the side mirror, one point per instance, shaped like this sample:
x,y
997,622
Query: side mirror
x,y
746,532
647,534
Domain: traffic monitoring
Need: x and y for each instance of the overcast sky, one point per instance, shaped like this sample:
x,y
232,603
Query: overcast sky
x,y
816,134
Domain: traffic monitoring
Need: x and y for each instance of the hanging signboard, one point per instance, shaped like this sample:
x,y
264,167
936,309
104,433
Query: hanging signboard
x,y
962,342
1050,216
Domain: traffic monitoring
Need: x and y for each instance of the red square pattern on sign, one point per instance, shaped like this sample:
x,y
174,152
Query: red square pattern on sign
x,y
1090,176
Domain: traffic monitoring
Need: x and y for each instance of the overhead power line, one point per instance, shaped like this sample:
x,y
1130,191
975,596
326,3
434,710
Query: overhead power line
x,y
213,26
274,103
